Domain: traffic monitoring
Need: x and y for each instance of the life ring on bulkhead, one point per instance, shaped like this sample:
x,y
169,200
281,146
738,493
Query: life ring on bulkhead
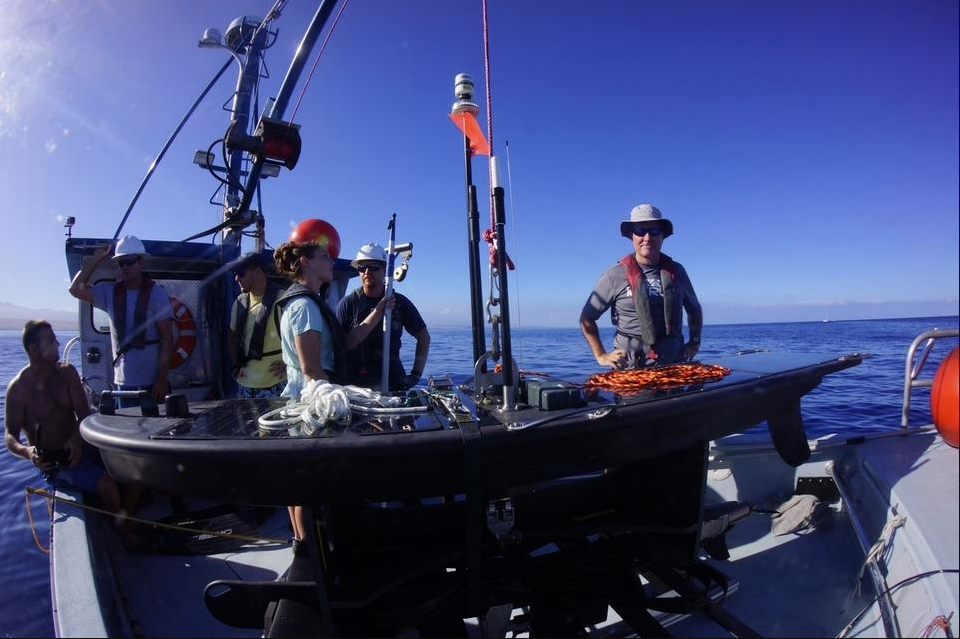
x,y
186,337
943,398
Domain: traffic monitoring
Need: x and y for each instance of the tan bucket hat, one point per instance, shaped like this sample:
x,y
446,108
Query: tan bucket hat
x,y
645,213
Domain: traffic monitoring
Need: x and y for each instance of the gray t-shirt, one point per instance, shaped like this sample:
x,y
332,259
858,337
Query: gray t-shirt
x,y
612,291
137,366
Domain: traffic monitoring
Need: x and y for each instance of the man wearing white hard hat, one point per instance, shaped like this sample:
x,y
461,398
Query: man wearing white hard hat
x,y
646,292
141,318
366,360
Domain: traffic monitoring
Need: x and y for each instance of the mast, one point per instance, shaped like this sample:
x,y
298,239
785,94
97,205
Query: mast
x,y
290,80
509,395
463,115
243,36
463,90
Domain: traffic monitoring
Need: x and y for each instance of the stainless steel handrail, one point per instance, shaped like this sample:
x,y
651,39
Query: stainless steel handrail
x,y
912,372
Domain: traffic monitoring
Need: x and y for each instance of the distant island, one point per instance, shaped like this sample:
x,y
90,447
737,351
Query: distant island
x,y
12,317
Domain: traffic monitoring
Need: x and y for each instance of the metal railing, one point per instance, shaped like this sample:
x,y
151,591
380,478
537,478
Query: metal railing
x,y
912,372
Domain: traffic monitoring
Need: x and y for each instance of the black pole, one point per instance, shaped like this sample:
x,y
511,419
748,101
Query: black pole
x,y
243,97
499,224
290,80
473,256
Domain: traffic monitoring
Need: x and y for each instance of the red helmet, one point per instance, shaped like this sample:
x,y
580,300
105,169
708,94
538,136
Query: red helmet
x,y
319,231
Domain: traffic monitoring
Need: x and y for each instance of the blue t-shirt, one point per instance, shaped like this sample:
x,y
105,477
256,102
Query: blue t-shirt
x,y
301,314
137,366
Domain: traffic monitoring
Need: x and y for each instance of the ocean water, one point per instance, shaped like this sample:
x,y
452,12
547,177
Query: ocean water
x,y
865,397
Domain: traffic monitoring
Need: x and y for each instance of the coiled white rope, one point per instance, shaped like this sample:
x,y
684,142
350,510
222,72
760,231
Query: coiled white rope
x,y
322,402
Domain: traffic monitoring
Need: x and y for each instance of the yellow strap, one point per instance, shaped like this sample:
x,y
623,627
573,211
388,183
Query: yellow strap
x,y
76,504
33,527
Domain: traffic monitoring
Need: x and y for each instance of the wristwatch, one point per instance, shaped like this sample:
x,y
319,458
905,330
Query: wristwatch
x,y
695,339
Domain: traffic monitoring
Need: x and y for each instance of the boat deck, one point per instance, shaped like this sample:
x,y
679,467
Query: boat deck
x,y
798,584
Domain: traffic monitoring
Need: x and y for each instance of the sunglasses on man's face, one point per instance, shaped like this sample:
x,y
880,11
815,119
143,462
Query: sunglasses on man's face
x,y
128,261
640,231
373,268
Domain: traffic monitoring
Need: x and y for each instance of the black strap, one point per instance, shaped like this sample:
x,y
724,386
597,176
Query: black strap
x,y
473,493
254,350
339,373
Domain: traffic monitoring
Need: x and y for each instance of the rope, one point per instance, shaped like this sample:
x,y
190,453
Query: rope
x,y
632,381
323,45
322,402
940,623
486,79
903,582
33,527
885,535
148,522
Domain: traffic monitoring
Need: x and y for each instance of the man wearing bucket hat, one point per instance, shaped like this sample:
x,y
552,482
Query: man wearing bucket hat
x,y
646,292
254,339
141,318
366,360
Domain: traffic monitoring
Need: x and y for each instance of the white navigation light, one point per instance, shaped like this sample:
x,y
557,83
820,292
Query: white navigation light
x,y
463,89
211,38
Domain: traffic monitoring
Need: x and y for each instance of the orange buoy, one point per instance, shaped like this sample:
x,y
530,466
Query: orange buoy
x,y
186,337
943,398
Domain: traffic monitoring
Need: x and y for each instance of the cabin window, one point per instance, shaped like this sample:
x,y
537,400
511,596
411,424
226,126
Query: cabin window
x,y
101,321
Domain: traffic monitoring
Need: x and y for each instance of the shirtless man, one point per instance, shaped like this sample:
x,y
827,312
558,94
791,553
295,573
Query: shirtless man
x,y
46,402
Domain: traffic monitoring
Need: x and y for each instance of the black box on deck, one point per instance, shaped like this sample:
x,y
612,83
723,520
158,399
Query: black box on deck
x,y
553,395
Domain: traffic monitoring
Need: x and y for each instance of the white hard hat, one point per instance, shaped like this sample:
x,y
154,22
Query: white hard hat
x,y
129,245
370,253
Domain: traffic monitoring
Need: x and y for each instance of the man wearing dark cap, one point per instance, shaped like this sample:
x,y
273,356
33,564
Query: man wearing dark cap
x,y
646,292
253,339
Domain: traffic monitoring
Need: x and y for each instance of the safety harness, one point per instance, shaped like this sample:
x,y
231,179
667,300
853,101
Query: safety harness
x,y
338,374
138,338
668,277
254,350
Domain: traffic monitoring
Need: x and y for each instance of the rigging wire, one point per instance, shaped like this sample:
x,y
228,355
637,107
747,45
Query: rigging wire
x,y
489,103
888,591
323,46
166,146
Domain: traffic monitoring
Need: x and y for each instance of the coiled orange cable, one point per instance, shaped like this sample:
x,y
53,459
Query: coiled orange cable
x,y
635,380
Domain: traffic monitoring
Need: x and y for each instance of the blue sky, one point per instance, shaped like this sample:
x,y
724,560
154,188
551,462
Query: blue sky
x,y
807,152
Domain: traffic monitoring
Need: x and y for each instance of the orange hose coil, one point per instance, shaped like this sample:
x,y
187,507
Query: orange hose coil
x,y
634,380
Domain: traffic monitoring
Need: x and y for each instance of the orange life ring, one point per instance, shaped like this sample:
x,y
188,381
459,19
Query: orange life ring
x,y
943,398
186,337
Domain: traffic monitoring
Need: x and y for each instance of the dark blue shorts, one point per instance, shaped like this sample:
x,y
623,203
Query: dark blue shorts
x,y
256,393
83,477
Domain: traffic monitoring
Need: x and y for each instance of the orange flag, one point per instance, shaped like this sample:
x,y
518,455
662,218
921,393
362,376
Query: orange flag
x,y
469,126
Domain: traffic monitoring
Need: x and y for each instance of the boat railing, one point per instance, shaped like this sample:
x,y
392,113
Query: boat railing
x,y
68,348
913,369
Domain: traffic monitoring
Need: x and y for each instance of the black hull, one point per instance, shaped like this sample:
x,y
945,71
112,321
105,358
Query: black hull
x,y
609,432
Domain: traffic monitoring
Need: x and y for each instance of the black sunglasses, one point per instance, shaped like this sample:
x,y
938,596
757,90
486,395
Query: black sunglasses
x,y
128,261
640,231
363,268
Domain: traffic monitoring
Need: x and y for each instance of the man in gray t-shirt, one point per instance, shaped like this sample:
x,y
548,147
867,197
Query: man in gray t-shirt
x,y
646,292
141,318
